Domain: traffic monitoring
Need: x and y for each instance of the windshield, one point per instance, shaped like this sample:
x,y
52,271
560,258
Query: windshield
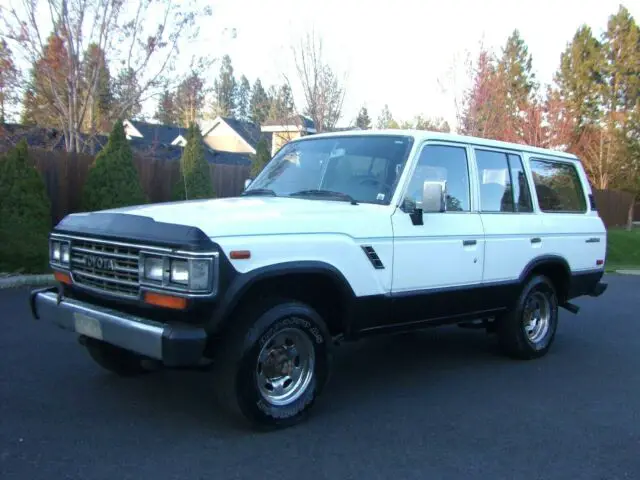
x,y
363,168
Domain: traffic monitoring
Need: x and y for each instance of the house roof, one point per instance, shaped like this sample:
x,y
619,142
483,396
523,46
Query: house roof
x,y
298,120
158,133
42,137
248,131
174,152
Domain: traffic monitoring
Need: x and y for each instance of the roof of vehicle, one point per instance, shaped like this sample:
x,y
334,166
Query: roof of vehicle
x,y
421,135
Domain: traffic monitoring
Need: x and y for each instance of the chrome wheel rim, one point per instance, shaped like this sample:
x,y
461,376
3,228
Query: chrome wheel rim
x,y
537,317
285,366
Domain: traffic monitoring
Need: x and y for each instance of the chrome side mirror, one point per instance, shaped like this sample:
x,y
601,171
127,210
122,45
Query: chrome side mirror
x,y
247,182
434,197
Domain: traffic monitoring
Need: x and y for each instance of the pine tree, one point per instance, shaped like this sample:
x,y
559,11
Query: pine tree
x,y
189,100
166,109
281,104
385,120
363,121
25,214
225,88
126,87
243,95
96,118
195,174
579,79
113,180
519,84
621,95
259,104
261,158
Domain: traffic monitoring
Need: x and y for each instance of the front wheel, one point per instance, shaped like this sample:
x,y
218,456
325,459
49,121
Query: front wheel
x,y
274,363
528,330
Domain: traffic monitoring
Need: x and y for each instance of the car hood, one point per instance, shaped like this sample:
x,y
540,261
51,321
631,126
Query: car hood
x,y
237,216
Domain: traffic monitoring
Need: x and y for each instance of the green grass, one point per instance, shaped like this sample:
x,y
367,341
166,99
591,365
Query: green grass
x,y
623,249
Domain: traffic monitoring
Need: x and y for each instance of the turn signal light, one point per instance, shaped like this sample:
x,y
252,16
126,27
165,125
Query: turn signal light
x,y
62,277
240,254
166,301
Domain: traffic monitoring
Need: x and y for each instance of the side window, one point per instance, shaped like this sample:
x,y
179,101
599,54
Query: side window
x,y
521,192
558,187
494,180
503,183
442,163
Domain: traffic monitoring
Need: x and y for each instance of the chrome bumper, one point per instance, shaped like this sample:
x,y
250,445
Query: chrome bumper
x,y
175,345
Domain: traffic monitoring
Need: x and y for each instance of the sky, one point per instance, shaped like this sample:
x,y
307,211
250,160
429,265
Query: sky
x,y
408,54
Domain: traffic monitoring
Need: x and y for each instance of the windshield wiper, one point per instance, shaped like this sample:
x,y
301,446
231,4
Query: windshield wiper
x,y
259,191
325,193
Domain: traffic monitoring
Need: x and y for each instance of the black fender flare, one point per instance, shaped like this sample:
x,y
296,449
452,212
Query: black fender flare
x,y
544,260
244,281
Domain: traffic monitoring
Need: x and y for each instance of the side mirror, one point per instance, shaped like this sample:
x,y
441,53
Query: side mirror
x,y
433,201
247,182
434,197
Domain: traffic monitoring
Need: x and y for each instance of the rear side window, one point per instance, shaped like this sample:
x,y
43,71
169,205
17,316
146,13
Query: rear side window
x,y
558,187
502,181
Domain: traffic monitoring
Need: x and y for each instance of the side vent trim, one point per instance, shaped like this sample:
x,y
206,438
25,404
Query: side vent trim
x,y
373,257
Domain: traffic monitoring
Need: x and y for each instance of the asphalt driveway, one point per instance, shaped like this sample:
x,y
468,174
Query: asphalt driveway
x,y
434,404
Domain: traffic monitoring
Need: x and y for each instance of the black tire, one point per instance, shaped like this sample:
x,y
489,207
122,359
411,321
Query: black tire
x,y
236,368
512,326
115,359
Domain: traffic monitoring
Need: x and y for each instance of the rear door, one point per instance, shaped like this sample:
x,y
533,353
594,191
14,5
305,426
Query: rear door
x,y
512,228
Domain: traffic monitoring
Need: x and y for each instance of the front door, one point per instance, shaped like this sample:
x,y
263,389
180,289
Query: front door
x,y
438,266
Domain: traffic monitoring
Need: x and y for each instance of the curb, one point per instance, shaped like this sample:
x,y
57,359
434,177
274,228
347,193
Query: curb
x,y
26,280
628,272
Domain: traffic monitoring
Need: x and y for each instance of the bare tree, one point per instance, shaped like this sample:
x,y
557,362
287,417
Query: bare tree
x,y
9,81
323,91
141,37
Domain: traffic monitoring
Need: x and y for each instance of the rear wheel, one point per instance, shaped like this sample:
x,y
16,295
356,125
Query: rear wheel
x,y
274,364
528,330
115,359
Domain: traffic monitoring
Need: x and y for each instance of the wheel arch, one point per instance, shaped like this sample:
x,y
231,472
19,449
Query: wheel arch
x,y
308,281
555,267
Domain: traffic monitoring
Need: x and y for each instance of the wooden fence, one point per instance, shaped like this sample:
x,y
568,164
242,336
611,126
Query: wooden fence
x,y
615,207
65,173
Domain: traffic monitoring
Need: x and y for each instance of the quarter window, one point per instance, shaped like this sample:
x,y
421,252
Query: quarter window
x,y
558,187
442,163
502,181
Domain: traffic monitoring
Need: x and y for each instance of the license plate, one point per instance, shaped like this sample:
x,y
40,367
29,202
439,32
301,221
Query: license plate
x,y
88,326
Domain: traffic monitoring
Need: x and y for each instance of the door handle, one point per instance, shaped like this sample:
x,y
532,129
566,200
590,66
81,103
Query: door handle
x,y
536,240
468,243
593,240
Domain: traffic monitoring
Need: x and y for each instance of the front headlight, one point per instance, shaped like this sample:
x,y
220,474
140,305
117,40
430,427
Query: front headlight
x,y
188,274
59,253
180,272
153,268
194,273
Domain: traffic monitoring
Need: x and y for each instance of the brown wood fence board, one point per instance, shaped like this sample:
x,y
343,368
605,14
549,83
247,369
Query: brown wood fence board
x,y
64,175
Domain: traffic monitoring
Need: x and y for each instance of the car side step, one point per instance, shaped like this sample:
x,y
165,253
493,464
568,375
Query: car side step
x,y
570,307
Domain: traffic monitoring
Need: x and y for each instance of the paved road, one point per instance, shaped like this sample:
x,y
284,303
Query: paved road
x,y
436,404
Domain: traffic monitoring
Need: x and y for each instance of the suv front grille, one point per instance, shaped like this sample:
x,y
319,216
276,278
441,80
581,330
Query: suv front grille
x,y
106,267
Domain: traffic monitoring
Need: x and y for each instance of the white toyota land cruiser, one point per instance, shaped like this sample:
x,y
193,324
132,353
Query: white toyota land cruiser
x,y
341,236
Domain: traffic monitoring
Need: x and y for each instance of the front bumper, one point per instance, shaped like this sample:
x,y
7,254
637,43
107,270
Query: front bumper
x,y
173,344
